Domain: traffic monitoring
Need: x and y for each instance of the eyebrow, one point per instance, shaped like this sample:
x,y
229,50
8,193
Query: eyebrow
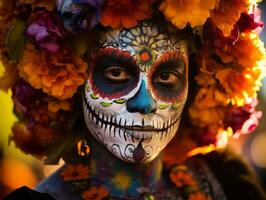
x,y
116,53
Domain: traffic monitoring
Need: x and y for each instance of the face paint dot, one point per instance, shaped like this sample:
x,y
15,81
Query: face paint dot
x,y
145,55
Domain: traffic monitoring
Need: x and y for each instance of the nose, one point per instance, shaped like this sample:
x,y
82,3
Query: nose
x,y
142,101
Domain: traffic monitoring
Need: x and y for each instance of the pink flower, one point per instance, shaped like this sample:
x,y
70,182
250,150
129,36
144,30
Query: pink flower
x,y
244,119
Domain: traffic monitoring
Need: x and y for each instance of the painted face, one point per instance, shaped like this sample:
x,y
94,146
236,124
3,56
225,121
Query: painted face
x,y
136,90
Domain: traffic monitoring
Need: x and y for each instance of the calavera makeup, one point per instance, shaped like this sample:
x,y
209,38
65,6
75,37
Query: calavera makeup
x,y
136,91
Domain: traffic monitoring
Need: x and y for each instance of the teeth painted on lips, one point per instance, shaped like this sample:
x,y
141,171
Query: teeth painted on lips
x,y
139,131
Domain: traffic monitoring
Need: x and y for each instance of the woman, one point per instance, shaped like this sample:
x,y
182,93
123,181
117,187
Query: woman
x,y
136,81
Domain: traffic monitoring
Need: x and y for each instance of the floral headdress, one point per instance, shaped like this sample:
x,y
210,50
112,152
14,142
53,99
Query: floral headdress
x,y
43,45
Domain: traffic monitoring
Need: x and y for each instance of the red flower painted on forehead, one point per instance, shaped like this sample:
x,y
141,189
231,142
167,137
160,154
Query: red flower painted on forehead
x,y
145,56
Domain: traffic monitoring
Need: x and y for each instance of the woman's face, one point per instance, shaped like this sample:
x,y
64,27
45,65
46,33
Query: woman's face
x,y
136,91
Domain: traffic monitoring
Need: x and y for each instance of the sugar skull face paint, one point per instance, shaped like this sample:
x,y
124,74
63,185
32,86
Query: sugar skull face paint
x,y
136,91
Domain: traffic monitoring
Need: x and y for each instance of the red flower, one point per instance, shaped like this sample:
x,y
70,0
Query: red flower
x,y
125,13
181,178
95,193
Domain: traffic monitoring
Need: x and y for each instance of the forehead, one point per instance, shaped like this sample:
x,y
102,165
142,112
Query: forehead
x,y
145,42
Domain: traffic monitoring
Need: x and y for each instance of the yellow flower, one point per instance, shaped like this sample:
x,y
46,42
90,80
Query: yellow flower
x,y
183,12
59,74
10,75
239,85
121,180
227,14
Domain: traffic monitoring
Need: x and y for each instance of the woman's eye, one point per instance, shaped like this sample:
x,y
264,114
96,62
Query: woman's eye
x,y
116,74
167,78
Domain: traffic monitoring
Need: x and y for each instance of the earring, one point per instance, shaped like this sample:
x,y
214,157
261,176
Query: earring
x,y
83,148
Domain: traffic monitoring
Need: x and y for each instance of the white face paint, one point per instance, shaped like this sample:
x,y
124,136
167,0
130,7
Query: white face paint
x,y
136,90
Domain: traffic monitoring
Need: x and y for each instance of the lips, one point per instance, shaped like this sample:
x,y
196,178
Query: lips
x,y
118,127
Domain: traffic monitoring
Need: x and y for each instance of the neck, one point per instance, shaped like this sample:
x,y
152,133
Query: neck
x,y
121,178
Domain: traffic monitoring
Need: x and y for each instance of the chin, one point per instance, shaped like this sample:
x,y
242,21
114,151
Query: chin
x,y
128,142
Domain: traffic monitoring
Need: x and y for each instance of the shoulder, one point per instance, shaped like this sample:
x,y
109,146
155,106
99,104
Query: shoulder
x,y
234,176
57,187
27,193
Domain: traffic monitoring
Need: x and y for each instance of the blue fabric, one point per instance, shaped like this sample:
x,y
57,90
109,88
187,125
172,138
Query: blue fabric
x,y
57,188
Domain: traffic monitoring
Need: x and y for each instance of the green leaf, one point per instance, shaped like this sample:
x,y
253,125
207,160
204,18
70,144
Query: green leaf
x,y
16,40
80,43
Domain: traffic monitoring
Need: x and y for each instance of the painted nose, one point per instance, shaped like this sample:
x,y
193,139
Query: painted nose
x,y
142,101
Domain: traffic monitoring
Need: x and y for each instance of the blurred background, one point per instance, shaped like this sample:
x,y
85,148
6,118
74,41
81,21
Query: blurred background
x,y
18,169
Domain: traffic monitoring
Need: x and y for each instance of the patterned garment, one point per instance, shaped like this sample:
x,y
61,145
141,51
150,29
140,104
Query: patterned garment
x,y
192,181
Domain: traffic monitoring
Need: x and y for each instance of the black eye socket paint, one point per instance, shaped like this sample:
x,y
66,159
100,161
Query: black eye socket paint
x,y
103,77
169,91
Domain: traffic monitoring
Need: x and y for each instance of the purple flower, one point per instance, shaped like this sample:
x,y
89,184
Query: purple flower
x,y
247,22
215,36
44,29
80,14
23,96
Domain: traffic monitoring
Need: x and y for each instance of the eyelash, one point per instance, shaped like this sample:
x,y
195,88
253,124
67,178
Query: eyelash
x,y
164,58
120,56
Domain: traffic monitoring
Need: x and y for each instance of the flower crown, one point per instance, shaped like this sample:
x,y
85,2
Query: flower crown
x,y
43,43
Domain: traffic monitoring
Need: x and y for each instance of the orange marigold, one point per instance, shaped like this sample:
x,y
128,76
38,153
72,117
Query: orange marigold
x,y
246,52
59,75
7,8
181,178
239,85
55,105
75,172
126,13
95,193
182,12
48,4
211,117
198,196
227,14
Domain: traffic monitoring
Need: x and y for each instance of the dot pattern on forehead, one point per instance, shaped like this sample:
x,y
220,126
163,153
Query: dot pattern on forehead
x,y
145,43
